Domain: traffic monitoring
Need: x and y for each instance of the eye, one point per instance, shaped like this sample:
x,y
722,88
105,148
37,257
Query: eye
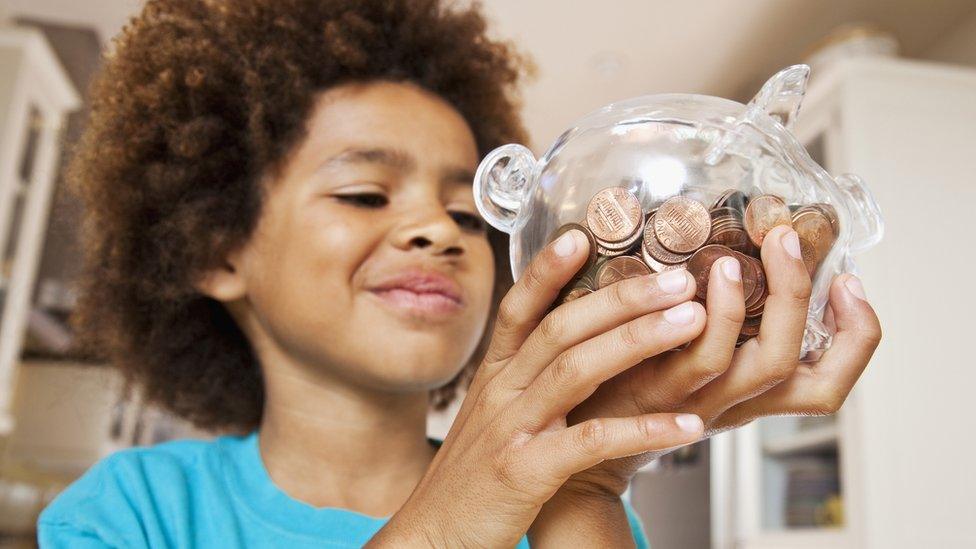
x,y
469,221
364,200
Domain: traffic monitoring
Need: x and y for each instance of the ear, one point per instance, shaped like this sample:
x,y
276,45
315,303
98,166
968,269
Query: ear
x,y
224,283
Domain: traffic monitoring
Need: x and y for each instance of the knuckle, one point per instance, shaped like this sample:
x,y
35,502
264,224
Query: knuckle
x,y
732,314
800,290
779,368
507,318
592,437
534,278
565,370
871,335
551,328
616,296
632,334
828,401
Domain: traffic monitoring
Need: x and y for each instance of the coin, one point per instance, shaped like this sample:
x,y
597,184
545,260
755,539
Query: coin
x,y
625,244
576,293
727,230
613,214
591,255
620,268
656,250
656,265
700,265
682,225
813,226
762,214
731,198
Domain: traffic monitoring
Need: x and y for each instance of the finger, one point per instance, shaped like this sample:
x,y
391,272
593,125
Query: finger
x,y
586,444
527,301
708,356
594,314
577,372
821,388
785,312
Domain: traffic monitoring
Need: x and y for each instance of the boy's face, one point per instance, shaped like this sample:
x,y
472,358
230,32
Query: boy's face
x,y
370,263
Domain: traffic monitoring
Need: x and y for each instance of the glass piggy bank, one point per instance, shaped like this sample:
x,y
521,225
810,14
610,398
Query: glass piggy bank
x,y
677,181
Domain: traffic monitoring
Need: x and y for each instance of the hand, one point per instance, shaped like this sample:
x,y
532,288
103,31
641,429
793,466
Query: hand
x,y
730,387
510,447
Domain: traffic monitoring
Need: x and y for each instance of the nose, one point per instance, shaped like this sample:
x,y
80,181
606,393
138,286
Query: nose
x,y
431,229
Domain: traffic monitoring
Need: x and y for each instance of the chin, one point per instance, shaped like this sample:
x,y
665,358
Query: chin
x,y
413,372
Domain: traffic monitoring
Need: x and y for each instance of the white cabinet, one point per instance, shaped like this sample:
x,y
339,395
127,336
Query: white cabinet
x,y
35,96
902,444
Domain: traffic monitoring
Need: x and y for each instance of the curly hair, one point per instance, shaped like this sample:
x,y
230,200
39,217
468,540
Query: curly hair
x,y
197,102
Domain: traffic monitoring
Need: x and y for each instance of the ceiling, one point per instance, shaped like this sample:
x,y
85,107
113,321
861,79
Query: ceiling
x,y
590,53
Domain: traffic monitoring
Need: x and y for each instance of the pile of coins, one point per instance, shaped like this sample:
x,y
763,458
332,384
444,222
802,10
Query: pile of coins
x,y
682,233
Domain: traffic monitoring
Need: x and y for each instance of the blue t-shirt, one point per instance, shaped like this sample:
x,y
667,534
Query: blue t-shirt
x,y
191,493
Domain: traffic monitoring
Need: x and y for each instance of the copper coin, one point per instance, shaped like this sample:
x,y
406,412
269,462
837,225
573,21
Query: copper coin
x,y
700,265
750,328
831,214
812,225
762,214
656,250
808,253
613,214
576,293
624,244
750,274
731,236
682,225
656,265
591,255
620,268
731,198
723,211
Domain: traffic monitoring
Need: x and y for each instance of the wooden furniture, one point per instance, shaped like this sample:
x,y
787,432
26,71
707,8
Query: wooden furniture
x,y
35,97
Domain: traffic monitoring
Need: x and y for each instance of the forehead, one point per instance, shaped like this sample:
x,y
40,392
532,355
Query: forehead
x,y
390,115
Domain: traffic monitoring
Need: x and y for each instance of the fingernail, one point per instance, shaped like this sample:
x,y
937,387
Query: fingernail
x,y
680,314
855,287
565,244
672,282
689,422
731,269
791,242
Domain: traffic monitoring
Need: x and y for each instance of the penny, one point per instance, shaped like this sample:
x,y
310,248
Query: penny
x,y
813,226
656,265
620,268
682,225
656,250
592,253
576,293
762,214
625,244
700,265
728,231
613,214
731,198
808,252
749,274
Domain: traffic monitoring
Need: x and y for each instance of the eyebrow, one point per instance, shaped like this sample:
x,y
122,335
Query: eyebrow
x,y
394,158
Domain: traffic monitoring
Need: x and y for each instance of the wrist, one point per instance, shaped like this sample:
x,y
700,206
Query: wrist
x,y
582,512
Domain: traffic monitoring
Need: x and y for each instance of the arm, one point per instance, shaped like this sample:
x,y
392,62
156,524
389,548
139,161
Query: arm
x,y
574,514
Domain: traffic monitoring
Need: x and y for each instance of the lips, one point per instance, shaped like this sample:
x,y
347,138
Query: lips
x,y
421,293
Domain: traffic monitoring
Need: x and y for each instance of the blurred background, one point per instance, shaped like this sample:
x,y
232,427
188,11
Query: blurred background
x,y
892,98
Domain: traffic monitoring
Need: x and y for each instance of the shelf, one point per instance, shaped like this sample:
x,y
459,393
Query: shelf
x,y
807,440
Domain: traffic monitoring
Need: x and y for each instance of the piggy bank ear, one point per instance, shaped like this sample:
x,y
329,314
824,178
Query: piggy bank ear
x,y
781,95
501,182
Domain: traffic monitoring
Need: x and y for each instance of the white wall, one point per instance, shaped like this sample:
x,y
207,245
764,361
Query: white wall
x,y
958,45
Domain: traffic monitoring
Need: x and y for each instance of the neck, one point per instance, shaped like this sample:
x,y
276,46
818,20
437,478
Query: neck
x,y
333,445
